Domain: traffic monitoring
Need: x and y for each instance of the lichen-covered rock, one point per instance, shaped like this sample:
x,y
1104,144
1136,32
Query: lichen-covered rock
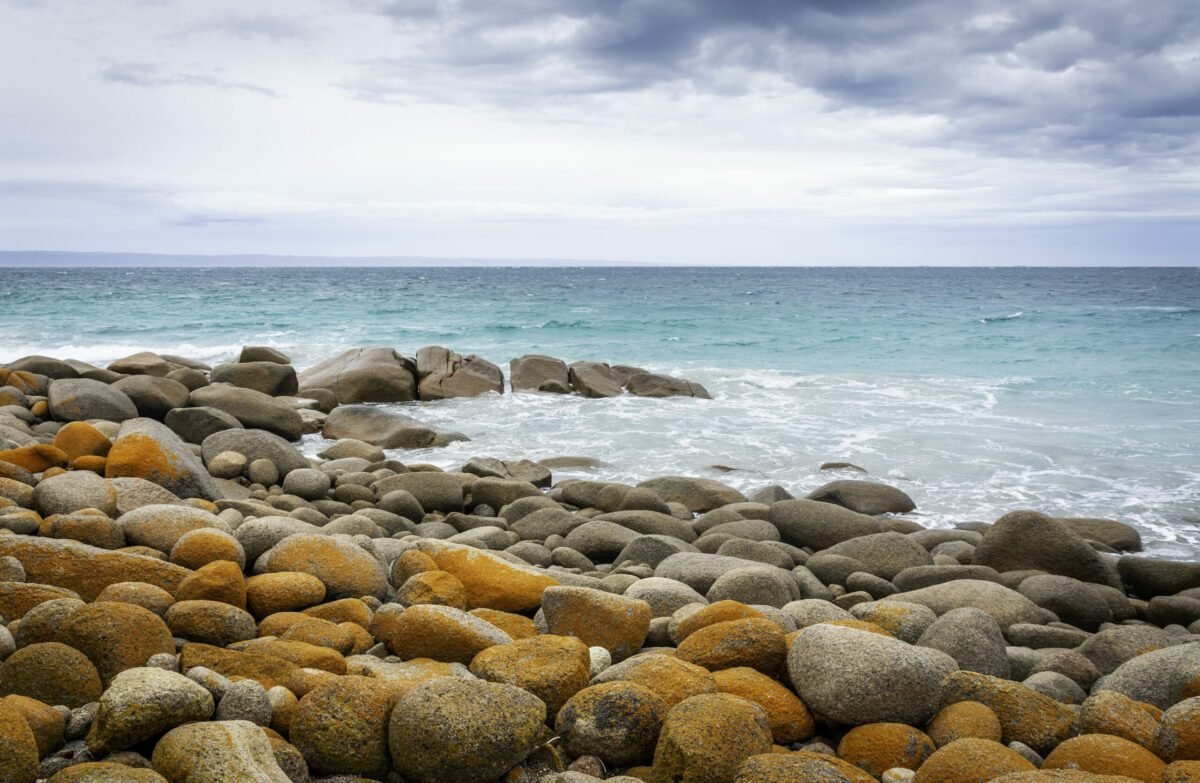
x,y
52,673
84,569
283,591
1007,607
878,747
18,747
1025,715
346,569
618,722
217,752
218,581
706,738
971,761
597,618
963,720
468,731
756,643
210,622
854,677
671,679
553,668
106,772
146,449
490,581
438,632
17,598
47,723
116,636
1178,735
1102,754
433,587
802,766
142,703
789,720
1109,712
268,670
341,727
1159,677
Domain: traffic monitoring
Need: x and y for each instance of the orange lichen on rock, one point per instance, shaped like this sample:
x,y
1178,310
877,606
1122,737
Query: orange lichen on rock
x,y
971,761
79,439
1109,712
802,766
515,625
137,455
85,569
433,587
218,581
758,644
304,655
490,582
268,670
789,719
964,719
719,612
862,625
671,679
1104,754
36,457
1025,715
877,747
553,668
284,591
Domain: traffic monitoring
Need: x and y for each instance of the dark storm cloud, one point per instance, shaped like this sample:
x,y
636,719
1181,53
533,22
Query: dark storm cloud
x,y
157,75
1117,79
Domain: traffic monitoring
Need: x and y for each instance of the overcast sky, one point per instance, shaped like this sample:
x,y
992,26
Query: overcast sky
x,y
709,131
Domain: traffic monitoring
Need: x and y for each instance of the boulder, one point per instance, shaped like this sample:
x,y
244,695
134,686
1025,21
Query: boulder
x,y
1149,577
80,399
1078,603
647,384
153,397
86,569
971,759
142,363
491,582
698,570
1158,677
142,703
196,424
1025,715
671,679
878,747
372,374
472,731
1118,535
346,569
377,426
884,554
268,377
598,619
433,490
595,379
864,497
18,747
442,374
811,523
217,752
1007,607
1025,540
534,372
116,636
44,365
255,445
146,449
78,489
587,727
698,494
854,677
706,738
253,409
518,470
52,673
972,638
263,353
341,727
553,668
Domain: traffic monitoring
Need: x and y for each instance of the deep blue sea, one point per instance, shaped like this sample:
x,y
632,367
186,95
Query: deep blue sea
x,y
977,391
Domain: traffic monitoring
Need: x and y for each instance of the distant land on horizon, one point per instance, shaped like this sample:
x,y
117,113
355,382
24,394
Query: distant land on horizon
x,y
12,259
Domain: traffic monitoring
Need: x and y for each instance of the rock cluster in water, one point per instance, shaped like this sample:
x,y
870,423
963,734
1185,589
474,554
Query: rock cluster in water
x,y
186,597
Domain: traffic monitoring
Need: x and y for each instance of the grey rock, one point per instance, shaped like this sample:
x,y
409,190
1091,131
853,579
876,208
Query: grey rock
x,y
377,426
698,494
650,550
653,385
153,397
1042,636
245,700
255,444
651,523
142,363
1118,535
352,448
253,409
665,596
1158,677
699,571
1057,686
757,551
143,703
1113,647
306,483
176,468
72,491
498,492
194,425
81,399
864,497
755,585
435,491
972,638
600,540
443,374
372,374
518,470
1072,600
918,577
258,535
906,621
811,611
811,523
595,379
1148,576
853,677
263,353
1030,540
537,373
1005,606
268,377
1070,664
884,554
1164,610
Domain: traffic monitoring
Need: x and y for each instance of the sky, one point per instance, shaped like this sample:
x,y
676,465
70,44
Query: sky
x,y
943,132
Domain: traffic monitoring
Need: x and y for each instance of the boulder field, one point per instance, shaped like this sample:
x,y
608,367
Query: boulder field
x,y
186,597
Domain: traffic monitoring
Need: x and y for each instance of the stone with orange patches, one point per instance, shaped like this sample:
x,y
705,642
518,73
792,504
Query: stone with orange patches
x,y
36,457
1178,736
284,591
200,547
963,720
409,564
598,619
490,582
17,598
758,644
41,409
515,625
719,612
346,610
1025,715
140,594
220,581
705,739
671,679
46,723
146,449
1181,772
440,633
266,669
862,625
304,655
1109,712
789,720
24,381
116,636
87,528
85,569
802,766
553,668
79,439
341,727
971,761
95,465
18,747
877,747
52,673
1104,754
322,633
433,587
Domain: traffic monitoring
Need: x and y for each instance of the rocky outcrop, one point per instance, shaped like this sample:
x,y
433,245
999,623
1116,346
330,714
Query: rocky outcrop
x,y
372,374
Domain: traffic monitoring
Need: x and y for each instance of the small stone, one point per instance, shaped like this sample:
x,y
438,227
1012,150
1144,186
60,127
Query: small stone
x,y
245,700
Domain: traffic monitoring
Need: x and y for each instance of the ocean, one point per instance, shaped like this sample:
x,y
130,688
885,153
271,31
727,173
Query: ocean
x,y
976,391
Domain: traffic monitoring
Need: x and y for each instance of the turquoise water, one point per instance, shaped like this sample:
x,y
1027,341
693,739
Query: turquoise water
x,y
1076,391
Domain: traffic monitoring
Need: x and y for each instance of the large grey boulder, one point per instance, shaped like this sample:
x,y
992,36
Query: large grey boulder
x,y
1028,540
153,397
255,445
1118,535
646,384
1007,607
143,363
755,585
854,677
442,374
261,533
972,638
377,426
884,554
698,494
253,409
600,540
80,399
1159,677
924,576
865,497
1149,576
811,523
652,523
534,372
435,491
268,377
72,491
44,365
146,449
650,550
595,379
698,570
1075,602
371,374
263,353
1114,646
196,424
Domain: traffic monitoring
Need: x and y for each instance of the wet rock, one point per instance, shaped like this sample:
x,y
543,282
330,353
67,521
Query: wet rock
x,y
444,374
645,384
377,426
811,523
864,497
534,372
595,379
153,397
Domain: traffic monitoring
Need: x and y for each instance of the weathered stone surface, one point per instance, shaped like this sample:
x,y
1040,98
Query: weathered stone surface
x,y
146,449
1022,540
255,445
80,399
853,677
811,523
52,673
72,491
553,668
341,727
1118,535
534,372
116,636
463,730
442,374
377,426
698,494
1007,607
884,554
86,569
1025,715
971,760
153,397
646,384
618,722
865,497
706,738
142,703
597,618
441,633
268,377
491,582
253,409
594,379
1149,576
18,747
972,638
372,374
346,569
1158,677
217,752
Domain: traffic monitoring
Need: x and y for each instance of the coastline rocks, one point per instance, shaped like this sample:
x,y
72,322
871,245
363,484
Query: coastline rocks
x,y
883,554
490,581
196,424
52,673
698,494
346,569
253,409
553,668
1025,715
972,638
1022,540
597,618
254,445
73,491
971,760
153,397
589,723
341,727
811,523
80,399
865,497
443,374
1150,577
537,373
143,703
86,569
378,427
463,730
1007,607
269,377
18,747
854,677
645,384
1158,677
706,738
217,752
372,374
595,379
434,491
146,449
1118,535
441,633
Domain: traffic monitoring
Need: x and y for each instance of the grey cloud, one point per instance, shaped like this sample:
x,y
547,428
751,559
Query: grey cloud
x,y
156,75
250,27
1119,78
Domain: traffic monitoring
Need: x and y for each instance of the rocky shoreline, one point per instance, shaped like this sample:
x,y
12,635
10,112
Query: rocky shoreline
x,y
185,596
